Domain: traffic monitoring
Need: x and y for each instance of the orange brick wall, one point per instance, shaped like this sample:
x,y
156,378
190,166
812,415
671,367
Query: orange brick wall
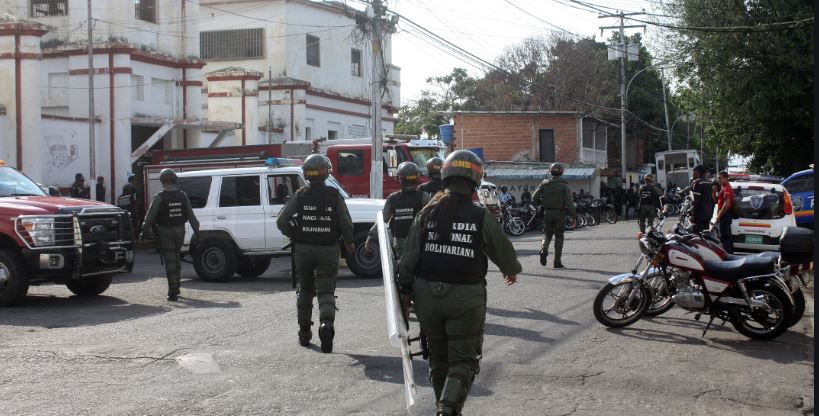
x,y
515,136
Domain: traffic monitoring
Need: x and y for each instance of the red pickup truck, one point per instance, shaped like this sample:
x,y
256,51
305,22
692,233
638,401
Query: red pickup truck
x,y
76,242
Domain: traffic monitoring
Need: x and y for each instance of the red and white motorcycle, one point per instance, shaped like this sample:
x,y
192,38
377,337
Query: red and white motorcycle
x,y
749,292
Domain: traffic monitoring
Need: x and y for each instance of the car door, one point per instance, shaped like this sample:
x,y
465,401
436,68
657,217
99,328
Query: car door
x,y
280,187
240,211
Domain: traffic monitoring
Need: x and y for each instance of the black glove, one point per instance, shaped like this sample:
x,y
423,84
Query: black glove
x,y
194,239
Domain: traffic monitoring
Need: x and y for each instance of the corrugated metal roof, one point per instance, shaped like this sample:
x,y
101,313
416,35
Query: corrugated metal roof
x,y
537,173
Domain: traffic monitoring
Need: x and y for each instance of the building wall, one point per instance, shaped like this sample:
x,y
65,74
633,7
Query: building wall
x,y
285,55
515,137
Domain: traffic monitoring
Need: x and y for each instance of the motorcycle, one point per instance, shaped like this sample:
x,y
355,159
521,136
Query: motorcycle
x,y
510,222
748,292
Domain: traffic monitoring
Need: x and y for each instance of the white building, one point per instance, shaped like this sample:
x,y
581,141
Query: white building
x,y
316,68
146,74
149,80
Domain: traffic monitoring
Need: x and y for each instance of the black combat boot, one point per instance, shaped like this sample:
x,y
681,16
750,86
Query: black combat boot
x,y
305,334
326,334
559,265
544,256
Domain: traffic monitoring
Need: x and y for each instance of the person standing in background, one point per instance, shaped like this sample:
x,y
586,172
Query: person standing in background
x,y
725,207
79,189
100,189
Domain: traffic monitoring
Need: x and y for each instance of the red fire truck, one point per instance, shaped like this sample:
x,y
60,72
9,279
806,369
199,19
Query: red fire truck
x,y
351,159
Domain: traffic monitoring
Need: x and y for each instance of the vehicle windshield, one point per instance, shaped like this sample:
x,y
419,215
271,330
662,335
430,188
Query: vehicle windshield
x,y
420,156
759,203
334,183
14,183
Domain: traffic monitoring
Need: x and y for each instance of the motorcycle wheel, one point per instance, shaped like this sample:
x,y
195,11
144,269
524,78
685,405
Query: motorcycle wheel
x,y
798,307
661,294
569,223
611,216
762,325
515,227
618,295
590,220
581,221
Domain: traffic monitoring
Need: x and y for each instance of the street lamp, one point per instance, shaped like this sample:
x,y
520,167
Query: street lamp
x,y
688,118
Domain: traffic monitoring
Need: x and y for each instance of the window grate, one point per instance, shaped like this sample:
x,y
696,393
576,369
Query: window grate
x,y
355,62
44,8
232,44
313,51
145,10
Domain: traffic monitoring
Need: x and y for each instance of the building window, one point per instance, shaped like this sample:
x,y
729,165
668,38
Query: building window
x,y
43,8
313,51
355,62
308,133
221,45
138,87
332,134
145,10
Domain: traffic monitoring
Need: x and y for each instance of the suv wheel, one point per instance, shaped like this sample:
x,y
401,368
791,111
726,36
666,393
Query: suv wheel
x,y
13,280
361,264
215,260
91,286
253,266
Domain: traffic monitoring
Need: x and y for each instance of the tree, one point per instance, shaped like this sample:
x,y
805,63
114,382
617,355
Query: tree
x,y
424,115
748,69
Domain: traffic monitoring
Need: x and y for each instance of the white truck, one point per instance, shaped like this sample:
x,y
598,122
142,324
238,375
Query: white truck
x,y
675,167
237,210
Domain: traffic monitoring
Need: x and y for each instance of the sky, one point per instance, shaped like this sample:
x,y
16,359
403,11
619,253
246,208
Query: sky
x,y
485,28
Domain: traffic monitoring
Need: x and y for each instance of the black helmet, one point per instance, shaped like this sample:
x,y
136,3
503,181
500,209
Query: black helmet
x,y
79,177
167,175
504,188
434,167
649,178
556,169
463,164
408,174
316,168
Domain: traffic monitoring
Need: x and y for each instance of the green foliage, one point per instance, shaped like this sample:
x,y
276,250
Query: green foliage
x,y
754,87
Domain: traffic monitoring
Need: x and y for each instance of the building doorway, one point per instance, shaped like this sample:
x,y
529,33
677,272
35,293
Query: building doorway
x,y
547,145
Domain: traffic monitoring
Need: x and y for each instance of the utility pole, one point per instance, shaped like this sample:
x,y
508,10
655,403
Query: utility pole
x,y
665,107
270,103
374,25
622,57
92,143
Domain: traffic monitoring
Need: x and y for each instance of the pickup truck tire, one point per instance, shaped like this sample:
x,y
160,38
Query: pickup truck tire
x,y
91,286
252,266
215,260
13,278
359,263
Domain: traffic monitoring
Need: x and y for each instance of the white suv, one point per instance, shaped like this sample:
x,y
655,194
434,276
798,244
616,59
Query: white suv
x,y
237,210
764,210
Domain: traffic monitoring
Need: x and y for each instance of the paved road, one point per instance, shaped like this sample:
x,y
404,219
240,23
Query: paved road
x,y
230,348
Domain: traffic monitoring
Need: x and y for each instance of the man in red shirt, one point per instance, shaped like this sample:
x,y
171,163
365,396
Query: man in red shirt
x,y
725,206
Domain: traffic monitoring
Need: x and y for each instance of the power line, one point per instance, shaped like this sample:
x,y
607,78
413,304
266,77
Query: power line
x,y
560,29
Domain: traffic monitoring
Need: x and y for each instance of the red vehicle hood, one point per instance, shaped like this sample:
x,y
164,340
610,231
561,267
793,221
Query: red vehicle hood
x,y
33,205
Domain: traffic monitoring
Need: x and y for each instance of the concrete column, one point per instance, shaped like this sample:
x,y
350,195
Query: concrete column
x,y
20,94
233,95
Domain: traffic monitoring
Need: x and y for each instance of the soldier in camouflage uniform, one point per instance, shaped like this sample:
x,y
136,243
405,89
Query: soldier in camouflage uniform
x,y
170,209
315,218
443,271
400,208
554,196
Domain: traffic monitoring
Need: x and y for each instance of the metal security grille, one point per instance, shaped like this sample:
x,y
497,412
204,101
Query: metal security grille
x,y
42,8
232,44
145,10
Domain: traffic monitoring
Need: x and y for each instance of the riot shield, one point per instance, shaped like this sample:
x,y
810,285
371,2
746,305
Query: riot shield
x,y
396,325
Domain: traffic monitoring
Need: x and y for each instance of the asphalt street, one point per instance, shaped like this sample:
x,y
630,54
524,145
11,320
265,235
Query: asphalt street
x,y
230,348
